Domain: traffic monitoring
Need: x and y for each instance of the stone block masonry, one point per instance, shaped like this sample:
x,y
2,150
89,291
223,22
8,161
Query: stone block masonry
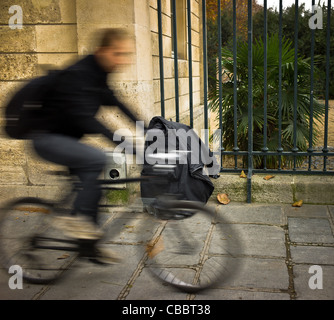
x,y
58,32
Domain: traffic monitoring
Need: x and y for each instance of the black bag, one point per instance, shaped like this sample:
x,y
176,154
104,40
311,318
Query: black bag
x,y
187,181
24,113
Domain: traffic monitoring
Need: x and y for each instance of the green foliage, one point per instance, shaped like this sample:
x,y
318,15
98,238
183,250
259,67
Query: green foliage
x,y
227,31
288,29
304,38
303,98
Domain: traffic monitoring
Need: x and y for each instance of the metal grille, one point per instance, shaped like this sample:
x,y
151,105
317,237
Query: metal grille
x,y
294,152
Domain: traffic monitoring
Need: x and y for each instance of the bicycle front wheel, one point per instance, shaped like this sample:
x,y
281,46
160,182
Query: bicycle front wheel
x,y
23,224
193,253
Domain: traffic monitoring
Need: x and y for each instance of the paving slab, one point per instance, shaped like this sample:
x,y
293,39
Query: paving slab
x,y
257,240
312,254
86,280
148,287
238,294
260,273
27,293
251,213
307,211
301,283
310,230
331,215
276,246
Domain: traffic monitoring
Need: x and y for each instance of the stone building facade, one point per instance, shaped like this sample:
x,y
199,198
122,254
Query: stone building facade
x,y
57,33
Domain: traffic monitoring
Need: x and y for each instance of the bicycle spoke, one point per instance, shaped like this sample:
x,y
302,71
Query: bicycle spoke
x,y
28,239
194,254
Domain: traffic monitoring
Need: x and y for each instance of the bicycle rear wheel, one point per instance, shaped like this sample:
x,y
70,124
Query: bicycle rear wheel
x,y
23,224
193,253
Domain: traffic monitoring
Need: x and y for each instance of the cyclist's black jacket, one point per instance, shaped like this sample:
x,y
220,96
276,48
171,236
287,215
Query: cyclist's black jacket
x,y
79,92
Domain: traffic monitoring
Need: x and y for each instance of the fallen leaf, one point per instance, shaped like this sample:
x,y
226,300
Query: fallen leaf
x,y
33,209
64,256
223,198
268,177
243,175
154,247
298,203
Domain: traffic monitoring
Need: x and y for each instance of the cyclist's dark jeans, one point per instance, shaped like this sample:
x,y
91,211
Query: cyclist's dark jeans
x,y
84,161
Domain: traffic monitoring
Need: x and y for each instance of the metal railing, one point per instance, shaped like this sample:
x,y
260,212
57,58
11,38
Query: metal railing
x,y
294,153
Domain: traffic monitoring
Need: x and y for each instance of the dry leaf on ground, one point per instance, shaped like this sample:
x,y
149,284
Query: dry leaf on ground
x,y
31,209
153,248
223,198
298,203
243,175
268,177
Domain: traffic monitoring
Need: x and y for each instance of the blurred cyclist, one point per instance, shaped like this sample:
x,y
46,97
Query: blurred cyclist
x,y
70,111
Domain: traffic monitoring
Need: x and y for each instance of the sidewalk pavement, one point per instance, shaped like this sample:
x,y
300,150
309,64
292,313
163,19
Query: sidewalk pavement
x,y
286,253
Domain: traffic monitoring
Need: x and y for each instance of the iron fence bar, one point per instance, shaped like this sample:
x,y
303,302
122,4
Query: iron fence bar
x,y
230,170
301,172
220,84
325,149
250,103
310,149
161,62
233,153
235,95
288,153
176,69
276,153
273,171
265,92
205,73
280,149
295,153
190,65
295,86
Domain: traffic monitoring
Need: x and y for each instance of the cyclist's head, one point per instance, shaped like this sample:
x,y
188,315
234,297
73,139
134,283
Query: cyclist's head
x,y
115,49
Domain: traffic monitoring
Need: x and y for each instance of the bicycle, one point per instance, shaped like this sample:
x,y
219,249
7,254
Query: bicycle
x,y
190,247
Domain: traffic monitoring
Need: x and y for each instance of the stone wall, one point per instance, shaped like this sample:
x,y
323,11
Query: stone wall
x,y
58,32
47,38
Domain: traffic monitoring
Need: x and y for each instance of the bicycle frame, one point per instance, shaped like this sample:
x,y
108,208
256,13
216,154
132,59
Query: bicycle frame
x,y
86,246
82,246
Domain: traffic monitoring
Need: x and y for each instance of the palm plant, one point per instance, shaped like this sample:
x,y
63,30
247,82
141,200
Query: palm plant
x,y
272,98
